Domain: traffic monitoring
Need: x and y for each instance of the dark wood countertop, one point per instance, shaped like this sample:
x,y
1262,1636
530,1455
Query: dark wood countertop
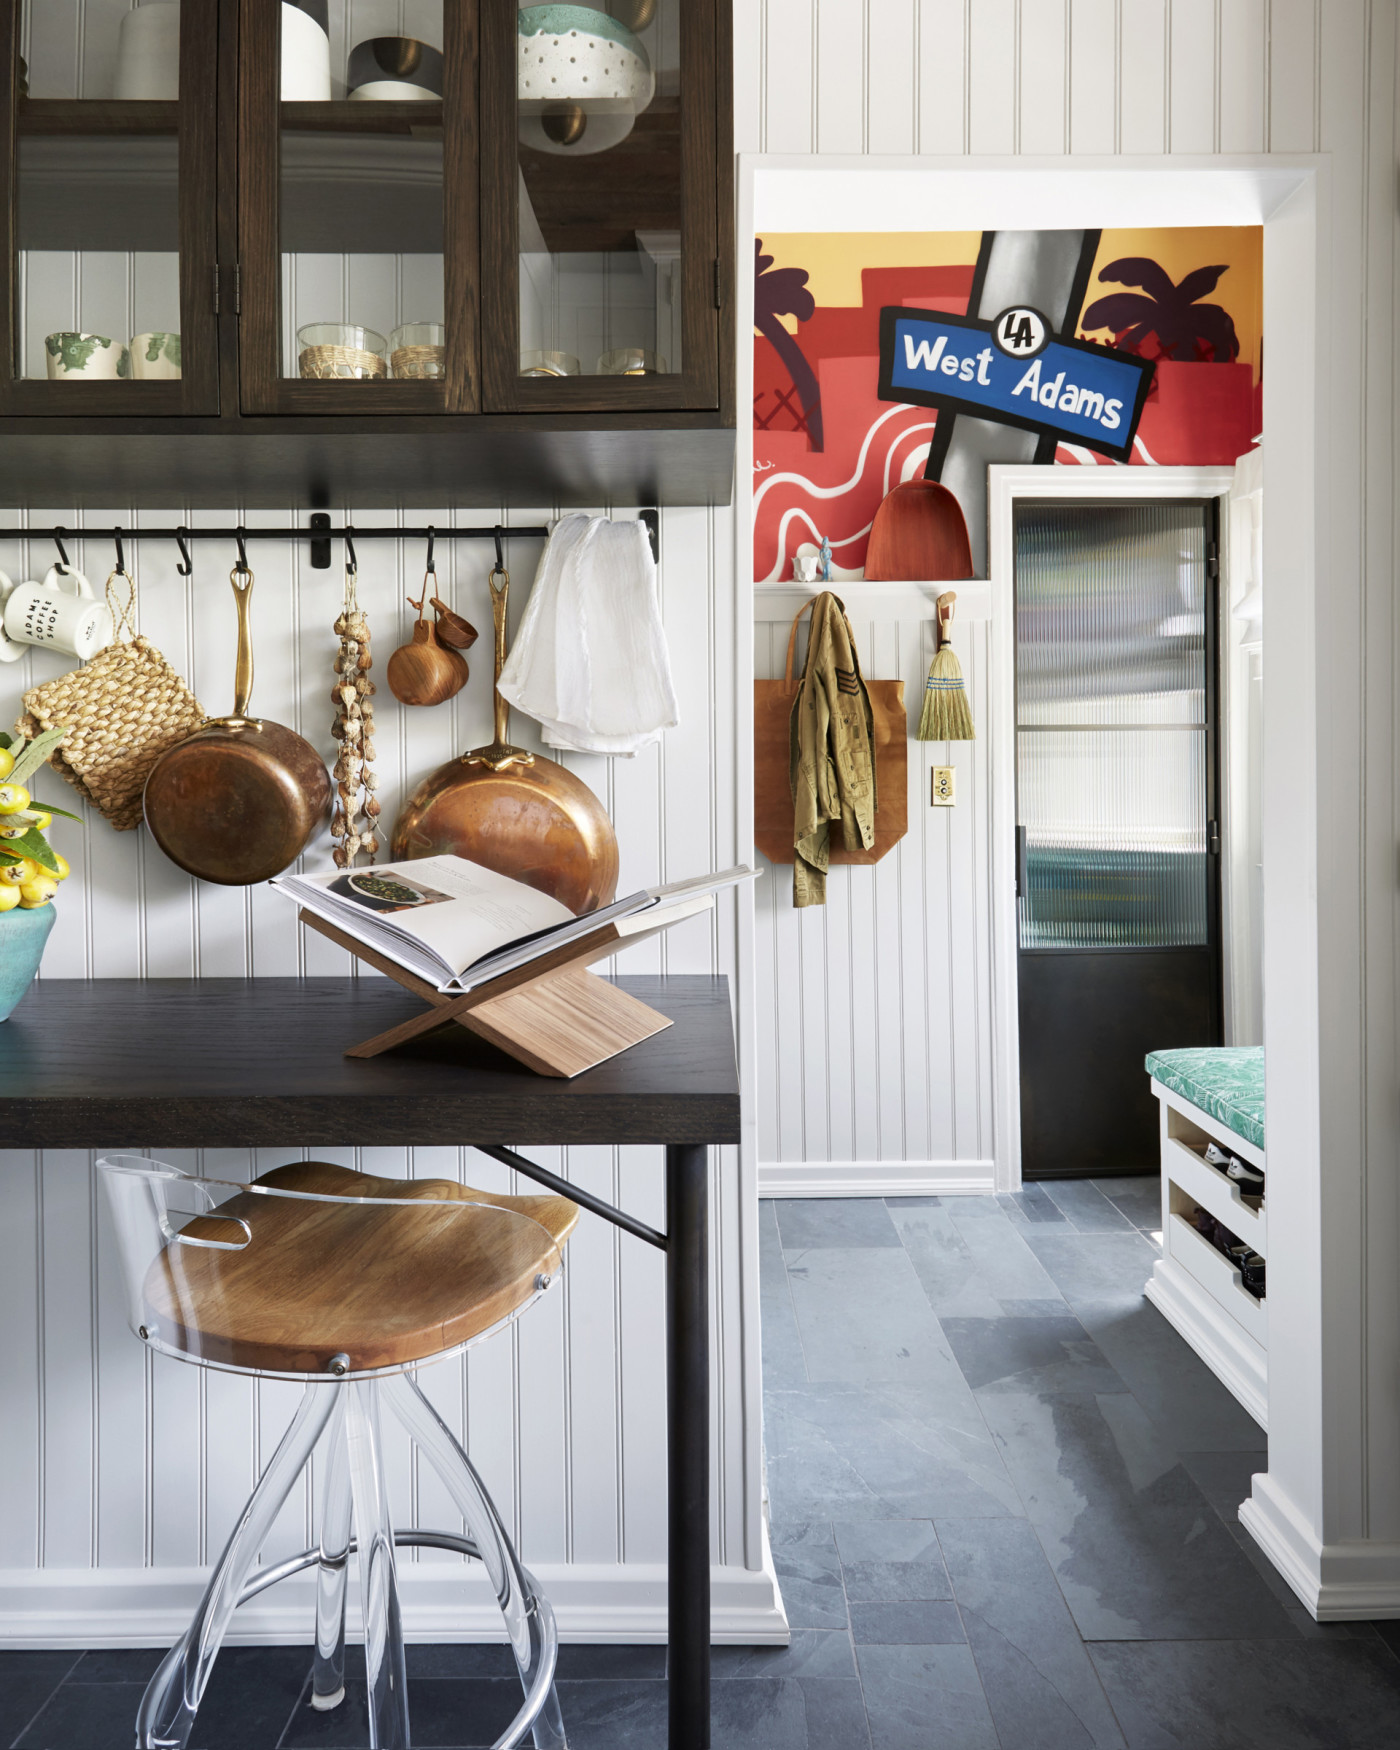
x,y
235,1062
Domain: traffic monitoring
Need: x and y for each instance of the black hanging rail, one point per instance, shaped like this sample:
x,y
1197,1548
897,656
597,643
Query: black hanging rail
x,y
319,532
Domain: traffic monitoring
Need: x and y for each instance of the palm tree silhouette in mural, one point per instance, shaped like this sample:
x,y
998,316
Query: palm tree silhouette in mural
x,y
1184,329
783,292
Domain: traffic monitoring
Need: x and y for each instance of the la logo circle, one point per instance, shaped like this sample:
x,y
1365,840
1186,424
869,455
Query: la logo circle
x,y
1021,332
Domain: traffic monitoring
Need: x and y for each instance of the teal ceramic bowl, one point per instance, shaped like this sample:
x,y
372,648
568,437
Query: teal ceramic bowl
x,y
22,938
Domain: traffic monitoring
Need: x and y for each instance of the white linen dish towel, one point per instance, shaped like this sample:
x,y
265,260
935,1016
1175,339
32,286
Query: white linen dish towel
x,y
590,662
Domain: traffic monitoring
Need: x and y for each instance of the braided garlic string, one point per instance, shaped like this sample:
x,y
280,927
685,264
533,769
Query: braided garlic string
x,y
354,730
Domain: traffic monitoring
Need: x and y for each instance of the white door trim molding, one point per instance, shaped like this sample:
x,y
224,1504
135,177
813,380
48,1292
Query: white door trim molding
x,y
1005,486
874,1178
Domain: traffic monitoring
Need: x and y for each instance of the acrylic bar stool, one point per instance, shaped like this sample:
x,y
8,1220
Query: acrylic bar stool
x,y
347,1283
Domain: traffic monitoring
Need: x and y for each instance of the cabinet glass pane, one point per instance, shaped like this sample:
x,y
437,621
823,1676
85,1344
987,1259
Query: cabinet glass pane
x,y
1111,741
598,112
97,192
362,190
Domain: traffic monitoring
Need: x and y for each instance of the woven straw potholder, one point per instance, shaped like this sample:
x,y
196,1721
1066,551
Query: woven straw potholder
x,y
123,709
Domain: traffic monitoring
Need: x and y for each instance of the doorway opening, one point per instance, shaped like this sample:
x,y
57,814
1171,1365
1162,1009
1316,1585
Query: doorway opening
x,y
1118,835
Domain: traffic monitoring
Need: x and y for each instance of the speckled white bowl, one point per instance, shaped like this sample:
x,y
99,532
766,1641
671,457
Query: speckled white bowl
x,y
575,55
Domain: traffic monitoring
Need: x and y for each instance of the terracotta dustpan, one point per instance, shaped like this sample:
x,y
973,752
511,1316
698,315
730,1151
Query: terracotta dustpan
x,y
919,535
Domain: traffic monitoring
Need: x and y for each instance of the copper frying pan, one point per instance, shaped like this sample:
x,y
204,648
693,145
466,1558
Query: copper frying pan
x,y
514,811
237,801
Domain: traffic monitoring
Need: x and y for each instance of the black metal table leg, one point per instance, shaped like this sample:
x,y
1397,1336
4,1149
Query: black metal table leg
x,y
688,1444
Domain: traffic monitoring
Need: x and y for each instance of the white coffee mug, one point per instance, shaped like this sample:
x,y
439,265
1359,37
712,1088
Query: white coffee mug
x,y
61,613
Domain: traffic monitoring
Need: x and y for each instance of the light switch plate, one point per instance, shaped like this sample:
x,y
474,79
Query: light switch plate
x,y
944,787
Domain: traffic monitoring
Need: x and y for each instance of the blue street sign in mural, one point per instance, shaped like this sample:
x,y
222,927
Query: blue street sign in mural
x,y
1011,370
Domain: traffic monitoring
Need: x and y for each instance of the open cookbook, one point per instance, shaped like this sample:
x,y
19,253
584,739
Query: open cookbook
x,y
459,925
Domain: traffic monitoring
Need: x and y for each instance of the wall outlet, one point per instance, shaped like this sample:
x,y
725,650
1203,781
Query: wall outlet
x,y
944,787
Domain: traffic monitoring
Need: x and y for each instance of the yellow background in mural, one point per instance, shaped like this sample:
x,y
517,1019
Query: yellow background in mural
x,y
833,261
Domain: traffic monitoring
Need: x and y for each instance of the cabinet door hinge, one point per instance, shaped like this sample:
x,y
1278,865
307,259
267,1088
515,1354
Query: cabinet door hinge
x,y
238,288
1212,560
1213,837
216,288
719,286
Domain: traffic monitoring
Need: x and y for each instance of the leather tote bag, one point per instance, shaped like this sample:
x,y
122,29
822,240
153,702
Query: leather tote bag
x,y
772,712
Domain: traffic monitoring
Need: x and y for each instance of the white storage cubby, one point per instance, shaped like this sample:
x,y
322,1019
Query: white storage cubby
x,y
1193,1284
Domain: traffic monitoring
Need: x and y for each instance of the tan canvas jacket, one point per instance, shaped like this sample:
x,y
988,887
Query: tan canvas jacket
x,y
831,746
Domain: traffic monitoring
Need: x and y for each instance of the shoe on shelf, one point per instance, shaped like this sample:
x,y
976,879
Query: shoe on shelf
x,y
1252,1274
1248,1178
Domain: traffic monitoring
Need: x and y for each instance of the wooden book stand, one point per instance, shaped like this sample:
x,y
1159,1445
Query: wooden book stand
x,y
552,1015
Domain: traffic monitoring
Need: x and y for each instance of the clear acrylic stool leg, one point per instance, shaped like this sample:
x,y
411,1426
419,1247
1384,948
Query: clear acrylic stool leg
x,y
387,1679
514,1593
167,1712
333,1572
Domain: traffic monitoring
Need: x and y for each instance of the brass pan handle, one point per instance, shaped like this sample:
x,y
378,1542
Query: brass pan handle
x,y
242,581
500,754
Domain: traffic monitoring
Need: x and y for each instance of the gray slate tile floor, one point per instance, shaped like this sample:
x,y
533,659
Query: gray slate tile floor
x,y
1003,1508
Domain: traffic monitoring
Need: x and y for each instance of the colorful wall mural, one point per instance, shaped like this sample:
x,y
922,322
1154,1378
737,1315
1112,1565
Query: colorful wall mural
x,y
828,448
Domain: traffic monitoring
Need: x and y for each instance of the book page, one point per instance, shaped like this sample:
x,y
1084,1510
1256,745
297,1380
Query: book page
x,y
456,909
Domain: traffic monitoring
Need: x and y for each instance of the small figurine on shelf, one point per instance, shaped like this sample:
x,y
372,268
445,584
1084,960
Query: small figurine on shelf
x,y
824,562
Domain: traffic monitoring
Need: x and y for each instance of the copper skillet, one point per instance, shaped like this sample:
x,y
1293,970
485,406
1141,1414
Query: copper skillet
x,y
516,812
237,801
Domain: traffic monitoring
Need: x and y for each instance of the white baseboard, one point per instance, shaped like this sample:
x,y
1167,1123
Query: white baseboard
x,y
1338,1582
442,1601
875,1178
1233,1357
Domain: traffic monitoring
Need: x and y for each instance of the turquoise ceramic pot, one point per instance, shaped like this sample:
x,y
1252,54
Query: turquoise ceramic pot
x,y
22,937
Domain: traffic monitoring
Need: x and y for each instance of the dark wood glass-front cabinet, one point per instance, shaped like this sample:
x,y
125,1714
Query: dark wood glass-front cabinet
x,y
289,224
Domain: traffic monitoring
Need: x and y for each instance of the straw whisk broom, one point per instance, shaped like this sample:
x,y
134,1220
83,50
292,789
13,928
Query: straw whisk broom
x,y
946,715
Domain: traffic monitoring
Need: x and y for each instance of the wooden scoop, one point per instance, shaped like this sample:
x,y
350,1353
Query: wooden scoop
x,y
919,535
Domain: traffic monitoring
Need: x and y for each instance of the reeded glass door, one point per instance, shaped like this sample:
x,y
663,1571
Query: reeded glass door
x,y
107,302
358,209
599,205
1118,837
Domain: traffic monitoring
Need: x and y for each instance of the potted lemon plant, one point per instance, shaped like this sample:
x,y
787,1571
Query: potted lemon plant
x,y
30,869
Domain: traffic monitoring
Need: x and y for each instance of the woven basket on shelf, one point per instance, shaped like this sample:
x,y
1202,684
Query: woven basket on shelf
x,y
340,361
419,361
123,709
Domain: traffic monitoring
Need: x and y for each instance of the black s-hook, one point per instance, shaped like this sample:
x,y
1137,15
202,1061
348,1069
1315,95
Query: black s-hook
x,y
242,565
121,555
500,556
430,568
352,564
63,565
187,568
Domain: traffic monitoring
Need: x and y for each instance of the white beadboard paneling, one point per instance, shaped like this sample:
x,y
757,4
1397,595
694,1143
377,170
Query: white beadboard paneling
x,y
875,1020
1294,30
992,78
113,1460
1093,111
942,67
1042,63
789,68
891,51
1195,72
1142,75
1243,76
842,75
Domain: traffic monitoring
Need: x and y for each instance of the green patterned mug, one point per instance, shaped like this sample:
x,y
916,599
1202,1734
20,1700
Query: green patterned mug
x,y
72,355
155,356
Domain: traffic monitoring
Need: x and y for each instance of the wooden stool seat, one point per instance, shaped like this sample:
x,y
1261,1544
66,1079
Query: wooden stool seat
x,y
381,1284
